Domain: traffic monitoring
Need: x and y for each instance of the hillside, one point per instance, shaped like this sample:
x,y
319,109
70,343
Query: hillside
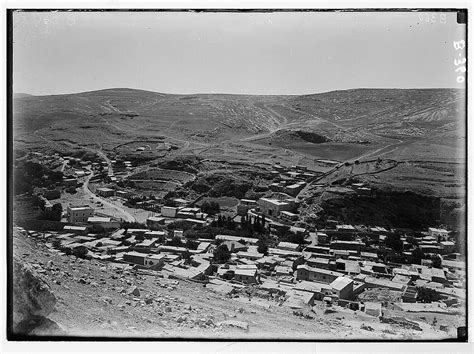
x,y
90,298
416,123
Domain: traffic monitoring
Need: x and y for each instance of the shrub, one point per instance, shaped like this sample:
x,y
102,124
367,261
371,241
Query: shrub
x,y
80,252
222,254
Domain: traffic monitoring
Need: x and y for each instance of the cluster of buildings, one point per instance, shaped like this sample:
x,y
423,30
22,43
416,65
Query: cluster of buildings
x,y
290,180
335,265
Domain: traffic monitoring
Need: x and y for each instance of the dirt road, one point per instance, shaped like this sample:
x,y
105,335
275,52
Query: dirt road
x,y
121,213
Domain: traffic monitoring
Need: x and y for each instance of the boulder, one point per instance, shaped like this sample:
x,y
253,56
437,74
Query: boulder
x,y
133,290
33,299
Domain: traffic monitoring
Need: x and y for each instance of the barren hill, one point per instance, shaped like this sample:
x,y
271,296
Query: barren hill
x,y
367,119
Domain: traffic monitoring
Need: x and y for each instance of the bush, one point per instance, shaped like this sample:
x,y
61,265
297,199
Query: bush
x,y
222,254
57,243
192,245
80,252
211,208
427,295
262,246
175,241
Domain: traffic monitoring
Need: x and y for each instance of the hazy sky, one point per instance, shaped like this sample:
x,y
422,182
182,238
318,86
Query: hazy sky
x,y
258,53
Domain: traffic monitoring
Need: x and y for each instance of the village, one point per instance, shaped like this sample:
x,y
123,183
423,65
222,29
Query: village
x,y
257,248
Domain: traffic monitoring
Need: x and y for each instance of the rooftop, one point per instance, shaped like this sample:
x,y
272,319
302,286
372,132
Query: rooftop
x,y
341,282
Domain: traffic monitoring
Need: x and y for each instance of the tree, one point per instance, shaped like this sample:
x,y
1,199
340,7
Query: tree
x,y
222,254
192,245
417,255
175,241
56,176
80,252
57,211
427,295
211,208
436,261
57,243
394,242
262,246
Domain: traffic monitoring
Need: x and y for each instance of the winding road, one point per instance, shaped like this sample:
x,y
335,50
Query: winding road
x,y
122,213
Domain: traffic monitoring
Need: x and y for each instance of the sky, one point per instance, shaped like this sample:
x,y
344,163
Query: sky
x,y
240,53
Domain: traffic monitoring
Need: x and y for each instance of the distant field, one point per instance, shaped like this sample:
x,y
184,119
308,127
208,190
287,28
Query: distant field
x,y
224,202
332,151
157,173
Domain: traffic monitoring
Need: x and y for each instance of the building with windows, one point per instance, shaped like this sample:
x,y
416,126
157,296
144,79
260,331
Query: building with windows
x,y
305,272
79,213
273,207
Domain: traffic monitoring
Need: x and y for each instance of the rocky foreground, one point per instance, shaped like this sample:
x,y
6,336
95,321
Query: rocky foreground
x,y
58,295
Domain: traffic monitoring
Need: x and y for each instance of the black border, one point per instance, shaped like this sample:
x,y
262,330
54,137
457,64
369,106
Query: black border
x,y
9,232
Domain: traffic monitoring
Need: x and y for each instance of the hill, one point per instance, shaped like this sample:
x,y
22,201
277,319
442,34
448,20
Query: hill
x,y
390,122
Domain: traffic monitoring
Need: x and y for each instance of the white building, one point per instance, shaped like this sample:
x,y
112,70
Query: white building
x,y
79,213
273,207
169,212
434,232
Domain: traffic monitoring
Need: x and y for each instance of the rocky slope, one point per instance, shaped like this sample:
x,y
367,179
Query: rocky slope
x,y
92,300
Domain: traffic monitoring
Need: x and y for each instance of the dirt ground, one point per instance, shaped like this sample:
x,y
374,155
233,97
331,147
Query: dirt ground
x,y
92,301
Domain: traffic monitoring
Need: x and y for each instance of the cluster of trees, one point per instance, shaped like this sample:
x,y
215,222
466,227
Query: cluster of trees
x,y
221,254
394,242
253,225
427,295
262,246
53,215
175,241
28,175
284,234
210,208
133,200
132,225
224,222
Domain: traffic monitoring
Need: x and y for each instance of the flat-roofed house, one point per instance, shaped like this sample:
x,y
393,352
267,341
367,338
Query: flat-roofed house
x,y
79,213
248,276
288,216
289,246
169,212
447,247
154,261
105,192
299,299
248,240
305,272
430,248
347,245
435,232
343,288
234,246
104,222
272,206
373,308
154,222
78,230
